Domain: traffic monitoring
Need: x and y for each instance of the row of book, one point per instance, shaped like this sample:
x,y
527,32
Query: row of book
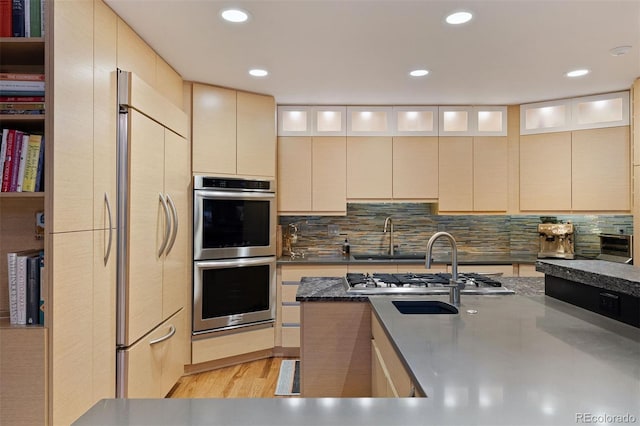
x,y
26,280
21,162
22,18
21,93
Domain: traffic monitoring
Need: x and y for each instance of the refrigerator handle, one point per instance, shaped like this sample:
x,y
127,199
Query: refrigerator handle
x,y
167,225
106,201
174,213
172,331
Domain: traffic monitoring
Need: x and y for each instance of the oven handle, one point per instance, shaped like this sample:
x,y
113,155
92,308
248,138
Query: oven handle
x,y
265,260
172,331
203,193
167,225
174,213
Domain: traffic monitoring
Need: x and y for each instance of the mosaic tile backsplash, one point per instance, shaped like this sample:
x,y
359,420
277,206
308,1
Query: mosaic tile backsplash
x,y
414,223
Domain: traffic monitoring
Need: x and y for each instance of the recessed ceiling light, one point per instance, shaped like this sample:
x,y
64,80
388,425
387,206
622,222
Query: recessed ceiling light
x,y
577,73
418,73
620,50
458,18
234,15
256,72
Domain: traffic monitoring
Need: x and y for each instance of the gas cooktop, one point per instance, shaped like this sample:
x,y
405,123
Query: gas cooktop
x,y
421,283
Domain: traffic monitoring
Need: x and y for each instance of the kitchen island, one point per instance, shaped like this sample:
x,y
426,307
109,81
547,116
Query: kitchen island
x,y
517,361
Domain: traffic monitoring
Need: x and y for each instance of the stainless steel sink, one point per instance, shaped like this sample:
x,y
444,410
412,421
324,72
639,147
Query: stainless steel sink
x,y
396,256
428,307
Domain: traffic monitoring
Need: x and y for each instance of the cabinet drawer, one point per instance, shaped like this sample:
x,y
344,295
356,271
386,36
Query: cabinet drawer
x,y
507,270
373,268
525,270
230,345
295,272
398,375
291,314
156,362
289,292
291,337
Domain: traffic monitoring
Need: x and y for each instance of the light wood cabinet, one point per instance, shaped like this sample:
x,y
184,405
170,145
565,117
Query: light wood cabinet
x,y
389,377
490,174
157,361
415,167
545,172
159,178
256,135
582,170
233,132
312,175
369,167
601,169
214,130
455,173
288,309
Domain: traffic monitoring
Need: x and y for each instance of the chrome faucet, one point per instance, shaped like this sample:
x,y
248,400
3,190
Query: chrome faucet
x,y
389,222
454,289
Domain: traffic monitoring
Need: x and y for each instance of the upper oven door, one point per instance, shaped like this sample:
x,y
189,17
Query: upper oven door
x,y
231,224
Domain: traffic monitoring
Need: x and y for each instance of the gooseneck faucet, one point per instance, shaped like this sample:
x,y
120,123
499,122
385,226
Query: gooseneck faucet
x,y
389,222
454,289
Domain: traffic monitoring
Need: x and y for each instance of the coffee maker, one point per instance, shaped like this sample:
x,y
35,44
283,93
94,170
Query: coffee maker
x,y
556,240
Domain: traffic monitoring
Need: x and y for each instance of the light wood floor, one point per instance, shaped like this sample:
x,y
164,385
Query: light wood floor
x,y
256,379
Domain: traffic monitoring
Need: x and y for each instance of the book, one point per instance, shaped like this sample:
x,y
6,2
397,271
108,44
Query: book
x,y
31,163
21,85
33,289
26,6
21,76
8,161
15,160
40,171
22,105
21,283
35,22
21,98
22,111
12,278
23,162
17,22
43,290
6,12
3,153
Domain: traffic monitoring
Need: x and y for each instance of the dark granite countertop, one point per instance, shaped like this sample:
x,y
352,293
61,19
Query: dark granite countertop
x,y
332,289
463,259
597,273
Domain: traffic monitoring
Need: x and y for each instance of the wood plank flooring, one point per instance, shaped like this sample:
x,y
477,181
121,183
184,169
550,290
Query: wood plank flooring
x,y
256,379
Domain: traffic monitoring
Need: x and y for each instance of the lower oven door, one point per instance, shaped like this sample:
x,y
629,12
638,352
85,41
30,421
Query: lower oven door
x,y
233,292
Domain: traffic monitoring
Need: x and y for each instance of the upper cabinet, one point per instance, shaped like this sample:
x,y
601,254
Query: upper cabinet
x,y
588,112
301,120
234,133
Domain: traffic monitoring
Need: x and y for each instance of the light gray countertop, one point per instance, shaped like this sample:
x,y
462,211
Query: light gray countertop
x,y
518,361
598,273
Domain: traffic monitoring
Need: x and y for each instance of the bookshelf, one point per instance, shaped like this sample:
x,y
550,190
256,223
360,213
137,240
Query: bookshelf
x,y
23,352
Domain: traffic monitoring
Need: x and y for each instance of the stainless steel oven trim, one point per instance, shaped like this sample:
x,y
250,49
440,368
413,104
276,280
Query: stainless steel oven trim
x,y
200,253
231,321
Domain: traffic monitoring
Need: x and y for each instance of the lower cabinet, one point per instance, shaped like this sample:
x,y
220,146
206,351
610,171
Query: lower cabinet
x,y
233,343
157,361
288,311
389,378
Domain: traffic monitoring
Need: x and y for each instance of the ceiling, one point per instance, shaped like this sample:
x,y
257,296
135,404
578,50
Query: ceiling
x,y
359,52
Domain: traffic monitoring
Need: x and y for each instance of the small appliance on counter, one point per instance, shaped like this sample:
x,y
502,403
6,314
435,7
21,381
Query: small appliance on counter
x,y
556,240
616,248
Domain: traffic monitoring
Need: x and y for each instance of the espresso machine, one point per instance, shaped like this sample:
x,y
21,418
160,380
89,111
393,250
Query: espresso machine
x,y
556,240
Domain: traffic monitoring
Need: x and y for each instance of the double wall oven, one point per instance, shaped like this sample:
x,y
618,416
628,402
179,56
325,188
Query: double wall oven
x,y
234,267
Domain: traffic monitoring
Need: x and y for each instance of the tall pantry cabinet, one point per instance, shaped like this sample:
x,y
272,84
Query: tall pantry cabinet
x,y
53,374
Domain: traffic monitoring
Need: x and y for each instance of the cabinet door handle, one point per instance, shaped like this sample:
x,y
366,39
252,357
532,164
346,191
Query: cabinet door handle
x,y
174,213
172,331
106,202
167,225
412,391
